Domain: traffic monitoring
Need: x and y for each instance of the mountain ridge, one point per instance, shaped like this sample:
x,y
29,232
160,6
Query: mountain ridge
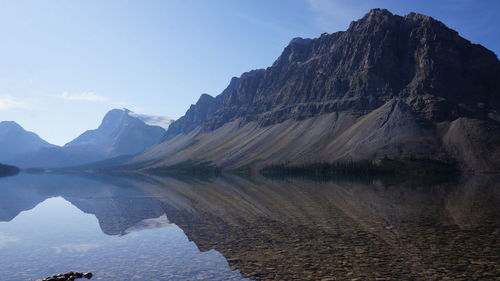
x,y
15,141
119,134
415,64
242,89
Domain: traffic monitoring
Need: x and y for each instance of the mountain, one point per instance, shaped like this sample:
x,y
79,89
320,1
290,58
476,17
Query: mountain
x,y
389,86
15,141
120,133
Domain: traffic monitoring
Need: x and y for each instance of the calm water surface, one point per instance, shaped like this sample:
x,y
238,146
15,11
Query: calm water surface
x,y
229,228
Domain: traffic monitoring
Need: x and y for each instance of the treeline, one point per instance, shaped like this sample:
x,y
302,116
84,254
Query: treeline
x,y
188,168
367,169
362,168
7,170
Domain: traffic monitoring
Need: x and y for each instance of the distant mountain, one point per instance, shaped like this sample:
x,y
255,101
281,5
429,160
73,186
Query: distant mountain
x,y
16,141
120,133
390,86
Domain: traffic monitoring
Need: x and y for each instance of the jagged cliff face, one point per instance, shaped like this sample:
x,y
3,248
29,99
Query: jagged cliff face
x,y
380,57
424,87
196,115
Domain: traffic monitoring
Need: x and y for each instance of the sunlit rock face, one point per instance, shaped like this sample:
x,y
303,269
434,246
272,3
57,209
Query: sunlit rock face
x,y
387,86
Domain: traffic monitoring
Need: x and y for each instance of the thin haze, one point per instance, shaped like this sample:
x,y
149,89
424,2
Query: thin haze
x,y
65,63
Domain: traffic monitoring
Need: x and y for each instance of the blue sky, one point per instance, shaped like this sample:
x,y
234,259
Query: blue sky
x,y
65,63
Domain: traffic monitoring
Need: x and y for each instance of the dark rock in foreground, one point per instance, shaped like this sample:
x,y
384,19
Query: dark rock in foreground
x,y
70,276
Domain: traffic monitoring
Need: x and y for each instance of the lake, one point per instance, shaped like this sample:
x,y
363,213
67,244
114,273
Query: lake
x,y
137,227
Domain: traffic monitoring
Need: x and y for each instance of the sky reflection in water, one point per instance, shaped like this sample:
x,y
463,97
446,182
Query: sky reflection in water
x,y
56,237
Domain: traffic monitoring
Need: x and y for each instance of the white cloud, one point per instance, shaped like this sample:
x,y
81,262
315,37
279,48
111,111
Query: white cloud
x,y
154,120
9,102
7,239
154,223
84,96
75,248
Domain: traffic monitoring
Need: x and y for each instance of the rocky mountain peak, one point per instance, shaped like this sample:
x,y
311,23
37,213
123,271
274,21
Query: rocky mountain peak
x,y
11,129
378,16
381,56
388,85
112,118
375,20
205,99
300,41
421,17
10,125
115,123
197,114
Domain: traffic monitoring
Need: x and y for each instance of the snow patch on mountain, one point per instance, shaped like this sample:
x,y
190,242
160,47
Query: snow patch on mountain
x,y
153,120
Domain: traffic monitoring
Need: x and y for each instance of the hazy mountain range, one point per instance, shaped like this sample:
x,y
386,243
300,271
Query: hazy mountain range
x,y
389,86
14,141
121,132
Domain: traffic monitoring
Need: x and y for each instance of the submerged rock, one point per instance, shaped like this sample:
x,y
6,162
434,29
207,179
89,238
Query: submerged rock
x,y
70,276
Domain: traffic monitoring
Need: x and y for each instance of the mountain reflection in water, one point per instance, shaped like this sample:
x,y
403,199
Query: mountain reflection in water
x,y
278,230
